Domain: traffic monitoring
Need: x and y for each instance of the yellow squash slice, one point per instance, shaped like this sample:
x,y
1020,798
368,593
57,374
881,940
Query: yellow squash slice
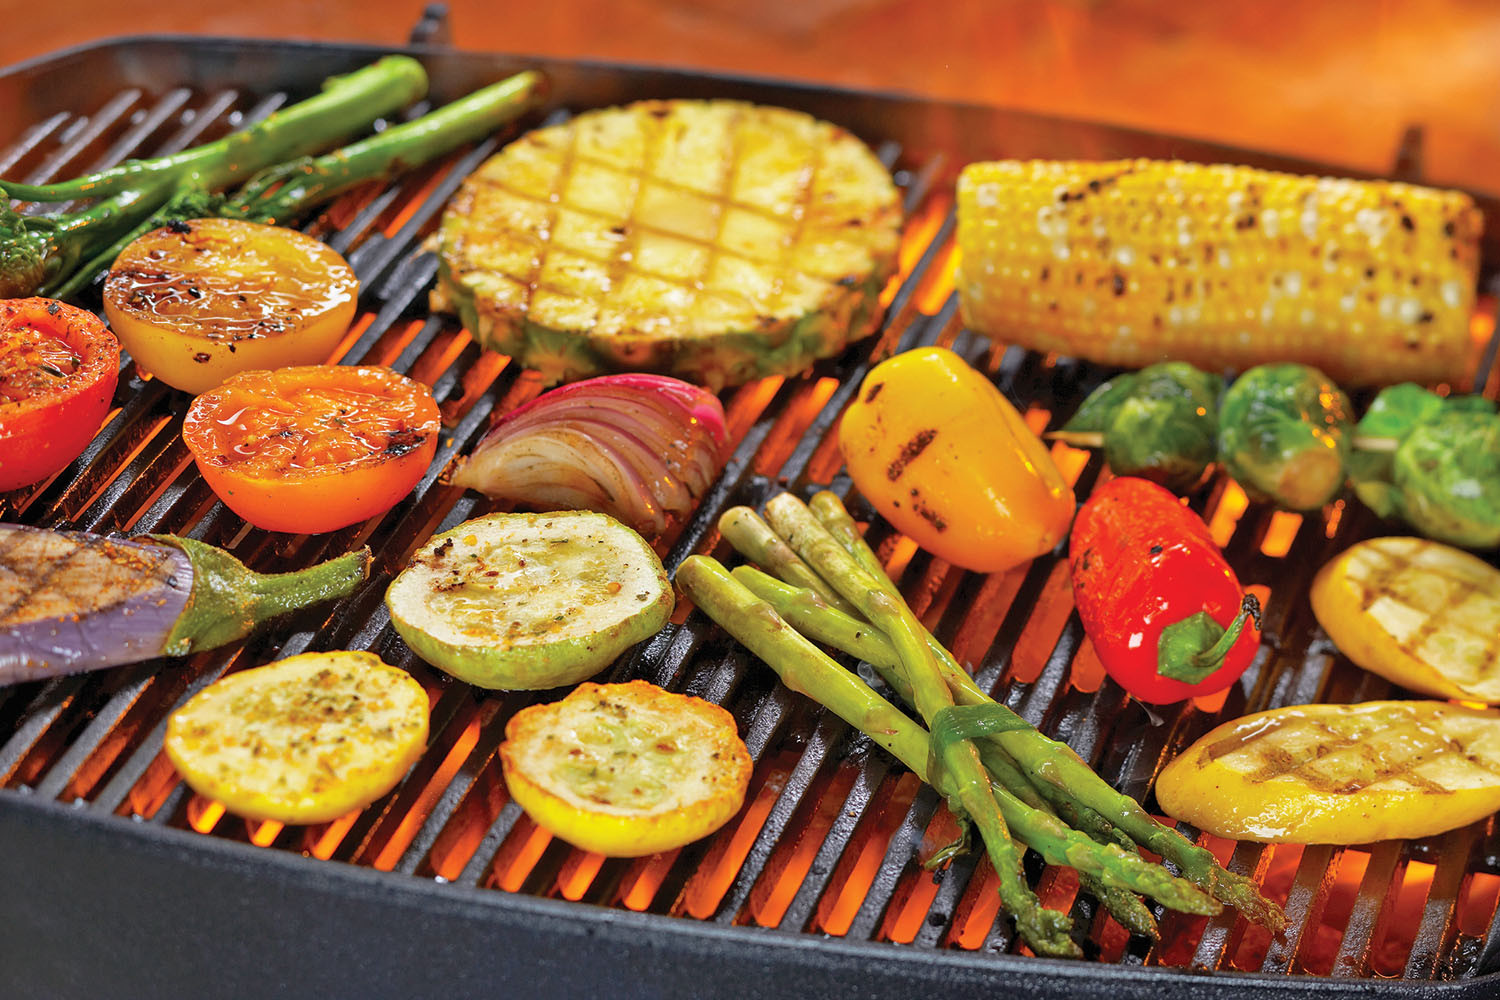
x,y
626,769
303,740
1339,774
714,240
1418,613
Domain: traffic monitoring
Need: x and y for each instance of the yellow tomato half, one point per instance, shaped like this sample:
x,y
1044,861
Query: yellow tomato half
x,y
196,302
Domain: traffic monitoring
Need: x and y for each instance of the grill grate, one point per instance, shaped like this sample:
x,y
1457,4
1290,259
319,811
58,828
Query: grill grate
x,y
832,830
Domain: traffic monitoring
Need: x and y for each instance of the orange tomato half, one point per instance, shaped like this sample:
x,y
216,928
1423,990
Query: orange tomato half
x,y
313,448
58,369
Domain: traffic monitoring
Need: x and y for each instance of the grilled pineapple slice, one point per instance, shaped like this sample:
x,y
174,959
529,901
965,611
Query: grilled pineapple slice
x,y
1339,774
1418,613
713,240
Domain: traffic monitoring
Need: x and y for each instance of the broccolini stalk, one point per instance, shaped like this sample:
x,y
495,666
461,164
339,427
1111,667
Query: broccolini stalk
x,y
40,253
280,193
1046,930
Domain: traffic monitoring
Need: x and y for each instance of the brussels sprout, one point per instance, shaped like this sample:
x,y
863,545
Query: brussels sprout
x,y
1440,467
1447,472
1284,435
1159,423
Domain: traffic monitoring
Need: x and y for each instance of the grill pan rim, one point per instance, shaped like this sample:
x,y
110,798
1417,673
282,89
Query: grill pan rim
x,y
205,867
306,885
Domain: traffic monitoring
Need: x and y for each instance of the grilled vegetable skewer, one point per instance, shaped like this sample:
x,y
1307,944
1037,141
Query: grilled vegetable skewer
x,y
72,601
1064,775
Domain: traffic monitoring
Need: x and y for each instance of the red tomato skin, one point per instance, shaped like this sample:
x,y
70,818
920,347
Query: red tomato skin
x,y
41,435
1141,561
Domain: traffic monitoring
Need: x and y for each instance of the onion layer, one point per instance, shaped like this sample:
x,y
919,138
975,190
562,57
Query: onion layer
x,y
637,447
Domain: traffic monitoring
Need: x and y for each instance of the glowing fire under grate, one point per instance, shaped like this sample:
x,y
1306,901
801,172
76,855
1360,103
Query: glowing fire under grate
x,y
832,831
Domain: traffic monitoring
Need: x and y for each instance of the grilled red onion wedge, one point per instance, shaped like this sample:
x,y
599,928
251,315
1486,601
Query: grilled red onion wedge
x,y
636,447
71,601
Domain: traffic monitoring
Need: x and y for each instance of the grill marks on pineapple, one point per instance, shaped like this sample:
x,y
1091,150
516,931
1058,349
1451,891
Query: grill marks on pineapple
x,y
1318,769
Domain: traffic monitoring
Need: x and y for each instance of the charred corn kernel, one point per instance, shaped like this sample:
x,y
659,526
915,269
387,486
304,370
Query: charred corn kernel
x,y
950,463
1137,261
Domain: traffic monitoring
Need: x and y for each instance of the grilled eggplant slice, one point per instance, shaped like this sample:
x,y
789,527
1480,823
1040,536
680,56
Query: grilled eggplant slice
x,y
303,740
528,601
1416,612
713,240
1339,774
72,601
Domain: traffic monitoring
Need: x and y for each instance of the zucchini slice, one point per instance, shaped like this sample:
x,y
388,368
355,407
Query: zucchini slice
x,y
529,601
303,740
626,769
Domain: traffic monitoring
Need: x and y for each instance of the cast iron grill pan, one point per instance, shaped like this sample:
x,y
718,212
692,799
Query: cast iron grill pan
x,y
117,879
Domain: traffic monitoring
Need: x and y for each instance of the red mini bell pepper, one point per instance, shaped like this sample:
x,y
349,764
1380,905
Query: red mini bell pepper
x,y
1164,611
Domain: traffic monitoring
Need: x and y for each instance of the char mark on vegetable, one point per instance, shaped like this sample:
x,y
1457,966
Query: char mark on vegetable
x,y
404,442
909,451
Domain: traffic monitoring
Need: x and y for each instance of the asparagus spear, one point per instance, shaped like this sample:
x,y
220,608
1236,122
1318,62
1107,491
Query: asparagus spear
x,y
805,668
754,539
809,614
1046,930
1062,775
812,617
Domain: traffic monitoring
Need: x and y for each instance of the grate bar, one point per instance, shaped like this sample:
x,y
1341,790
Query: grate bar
x,y
899,853
1377,891
1439,924
830,731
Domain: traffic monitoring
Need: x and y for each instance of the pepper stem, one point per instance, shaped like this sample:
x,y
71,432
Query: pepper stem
x,y
1192,649
228,600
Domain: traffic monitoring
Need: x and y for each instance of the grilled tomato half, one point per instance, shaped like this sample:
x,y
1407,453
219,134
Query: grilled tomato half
x,y
303,740
58,369
626,769
313,448
196,302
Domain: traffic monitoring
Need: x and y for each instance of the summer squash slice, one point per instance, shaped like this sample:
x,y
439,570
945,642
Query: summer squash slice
x,y
1417,613
303,740
1339,774
530,601
626,769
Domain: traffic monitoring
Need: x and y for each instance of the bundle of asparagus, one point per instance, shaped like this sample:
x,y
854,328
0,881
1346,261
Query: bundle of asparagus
x,y
1016,786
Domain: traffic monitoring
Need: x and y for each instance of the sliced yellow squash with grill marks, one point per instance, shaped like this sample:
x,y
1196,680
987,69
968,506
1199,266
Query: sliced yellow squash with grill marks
x,y
714,240
303,740
1421,614
1339,774
626,769
527,601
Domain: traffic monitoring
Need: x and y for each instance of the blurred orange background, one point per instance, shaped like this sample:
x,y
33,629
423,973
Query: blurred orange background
x,y
1336,80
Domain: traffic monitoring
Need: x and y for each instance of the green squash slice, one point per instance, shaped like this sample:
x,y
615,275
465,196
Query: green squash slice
x,y
530,601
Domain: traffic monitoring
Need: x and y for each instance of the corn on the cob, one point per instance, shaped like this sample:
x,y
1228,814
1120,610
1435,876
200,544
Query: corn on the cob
x,y
1137,261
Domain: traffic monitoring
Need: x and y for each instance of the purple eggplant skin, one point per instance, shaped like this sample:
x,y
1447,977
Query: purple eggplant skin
x,y
72,601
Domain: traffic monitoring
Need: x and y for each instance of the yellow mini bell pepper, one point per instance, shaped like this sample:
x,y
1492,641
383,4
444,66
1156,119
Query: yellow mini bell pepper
x,y
948,461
